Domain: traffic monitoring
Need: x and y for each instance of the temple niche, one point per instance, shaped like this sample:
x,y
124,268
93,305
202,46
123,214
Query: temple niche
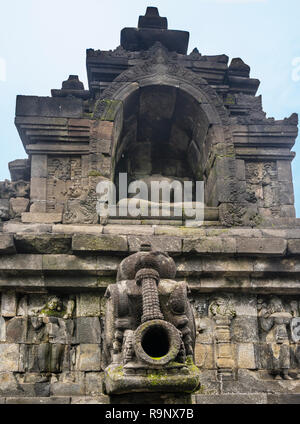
x,y
146,309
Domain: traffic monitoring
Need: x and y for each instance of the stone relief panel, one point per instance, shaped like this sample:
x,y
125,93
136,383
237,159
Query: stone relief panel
x,y
279,347
259,333
64,181
55,340
83,208
262,186
50,339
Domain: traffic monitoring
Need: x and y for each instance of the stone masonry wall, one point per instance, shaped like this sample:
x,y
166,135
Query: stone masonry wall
x,y
52,283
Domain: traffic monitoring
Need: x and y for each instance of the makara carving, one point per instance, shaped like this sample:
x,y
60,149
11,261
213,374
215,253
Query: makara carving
x,y
149,328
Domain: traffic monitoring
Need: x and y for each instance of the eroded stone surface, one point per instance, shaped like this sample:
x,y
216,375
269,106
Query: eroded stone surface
x,y
101,243
7,245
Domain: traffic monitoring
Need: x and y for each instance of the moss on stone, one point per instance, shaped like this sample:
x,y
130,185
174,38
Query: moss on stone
x,y
109,107
95,174
51,313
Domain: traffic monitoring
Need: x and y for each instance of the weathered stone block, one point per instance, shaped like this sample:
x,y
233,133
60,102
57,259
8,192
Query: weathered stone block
x,y
246,356
263,356
224,266
9,354
22,309
105,130
86,400
38,189
70,263
240,170
283,399
88,330
51,107
15,227
129,229
73,385
60,330
209,245
88,357
101,243
39,206
8,304
19,169
286,194
32,389
16,330
231,399
284,171
294,247
244,329
38,400
42,389
39,166
164,230
287,211
8,384
204,356
245,305
4,209
93,383
2,330
7,245
44,357
41,218
261,246
19,205
43,243
234,232
163,244
88,305
77,229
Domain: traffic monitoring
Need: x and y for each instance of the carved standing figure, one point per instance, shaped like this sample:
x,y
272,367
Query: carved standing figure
x,y
274,321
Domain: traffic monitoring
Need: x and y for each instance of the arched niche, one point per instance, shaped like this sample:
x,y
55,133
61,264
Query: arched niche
x,y
164,132
172,123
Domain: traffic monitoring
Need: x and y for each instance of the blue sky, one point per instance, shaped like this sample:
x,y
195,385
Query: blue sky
x,y
43,41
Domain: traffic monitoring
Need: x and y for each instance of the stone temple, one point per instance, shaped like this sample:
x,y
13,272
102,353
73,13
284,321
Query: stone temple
x,y
146,309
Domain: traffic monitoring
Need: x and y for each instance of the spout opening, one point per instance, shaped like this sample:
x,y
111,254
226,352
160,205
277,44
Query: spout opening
x,y
155,342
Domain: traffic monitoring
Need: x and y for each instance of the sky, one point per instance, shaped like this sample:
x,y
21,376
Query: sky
x,y
42,42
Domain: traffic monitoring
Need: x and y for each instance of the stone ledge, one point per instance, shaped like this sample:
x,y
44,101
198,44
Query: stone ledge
x,y
37,400
209,245
102,243
107,265
137,230
17,227
41,218
89,400
231,399
77,229
261,246
43,243
164,244
284,399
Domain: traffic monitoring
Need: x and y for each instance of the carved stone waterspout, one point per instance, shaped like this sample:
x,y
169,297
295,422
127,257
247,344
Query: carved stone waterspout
x,y
149,328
